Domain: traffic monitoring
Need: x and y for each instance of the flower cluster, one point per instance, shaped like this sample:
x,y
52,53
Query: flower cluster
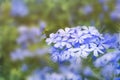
x,y
109,63
27,37
21,54
77,42
33,34
47,74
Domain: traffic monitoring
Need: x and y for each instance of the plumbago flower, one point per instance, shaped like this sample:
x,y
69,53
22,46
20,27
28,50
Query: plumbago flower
x,y
19,8
114,15
88,9
64,73
27,37
76,42
110,62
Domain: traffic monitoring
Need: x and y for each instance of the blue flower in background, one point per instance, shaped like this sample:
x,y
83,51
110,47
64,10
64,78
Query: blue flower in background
x,y
88,71
105,7
77,42
64,73
24,67
39,74
20,54
109,63
86,9
19,8
42,25
111,40
28,36
116,63
118,41
108,72
106,58
54,76
115,14
103,1
116,78
33,34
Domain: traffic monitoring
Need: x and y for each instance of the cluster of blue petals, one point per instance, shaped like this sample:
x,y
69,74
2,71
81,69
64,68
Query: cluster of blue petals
x,y
80,41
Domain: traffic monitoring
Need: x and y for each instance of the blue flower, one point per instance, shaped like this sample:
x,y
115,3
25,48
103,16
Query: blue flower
x,y
108,72
86,9
116,63
115,14
76,42
105,7
105,59
64,74
103,1
20,54
109,63
19,8
42,25
24,67
96,49
87,71
118,41
33,34
55,76
26,37
116,78
82,51
110,40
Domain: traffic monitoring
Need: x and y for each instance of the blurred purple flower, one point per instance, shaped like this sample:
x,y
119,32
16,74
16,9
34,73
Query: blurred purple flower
x,y
116,63
26,38
109,63
108,72
105,7
24,67
19,8
20,54
105,59
23,30
87,71
62,74
116,78
33,34
42,25
110,40
42,51
103,1
54,76
86,9
115,14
